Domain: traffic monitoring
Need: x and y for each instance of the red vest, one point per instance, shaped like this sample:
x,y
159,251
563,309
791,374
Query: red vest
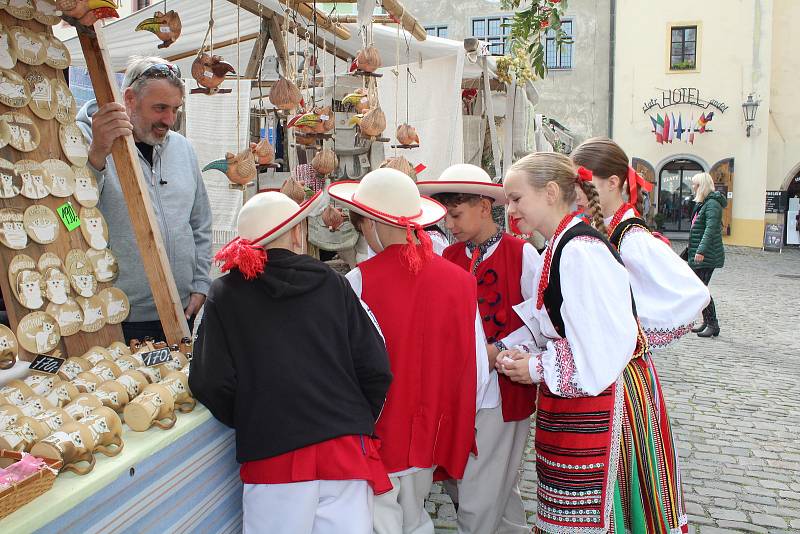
x,y
498,290
428,321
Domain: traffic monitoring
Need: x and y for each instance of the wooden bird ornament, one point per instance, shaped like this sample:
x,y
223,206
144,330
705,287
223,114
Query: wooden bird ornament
x,y
239,168
166,26
209,72
84,13
264,153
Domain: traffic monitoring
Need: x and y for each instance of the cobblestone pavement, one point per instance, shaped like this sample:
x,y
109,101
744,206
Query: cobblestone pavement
x,y
734,403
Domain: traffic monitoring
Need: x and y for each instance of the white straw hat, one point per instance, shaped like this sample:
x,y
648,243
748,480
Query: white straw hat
x,y
390,197
465,178
267,216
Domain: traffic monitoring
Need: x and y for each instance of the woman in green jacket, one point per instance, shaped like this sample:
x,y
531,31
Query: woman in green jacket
x,y
706,251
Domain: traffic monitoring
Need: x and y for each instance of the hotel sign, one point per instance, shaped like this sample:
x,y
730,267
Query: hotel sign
x,y
682,96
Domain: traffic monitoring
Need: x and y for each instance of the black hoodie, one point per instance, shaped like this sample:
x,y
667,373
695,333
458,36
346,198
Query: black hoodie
x,y
288,359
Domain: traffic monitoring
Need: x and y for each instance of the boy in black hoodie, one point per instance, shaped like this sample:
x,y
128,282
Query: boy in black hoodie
x,y
288,357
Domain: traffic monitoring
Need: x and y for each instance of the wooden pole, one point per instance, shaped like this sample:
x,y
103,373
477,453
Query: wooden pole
x,y
307,12
407,20
143,219
257,55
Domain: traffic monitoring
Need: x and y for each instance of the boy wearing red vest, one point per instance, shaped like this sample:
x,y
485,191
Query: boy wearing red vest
x,y
426,309
505,267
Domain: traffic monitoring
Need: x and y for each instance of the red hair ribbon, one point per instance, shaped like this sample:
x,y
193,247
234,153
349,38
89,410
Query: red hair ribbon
x,y
243,255
584,175
635,181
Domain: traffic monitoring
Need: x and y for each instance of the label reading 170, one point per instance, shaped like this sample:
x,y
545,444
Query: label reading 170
x,y
156,357
46,364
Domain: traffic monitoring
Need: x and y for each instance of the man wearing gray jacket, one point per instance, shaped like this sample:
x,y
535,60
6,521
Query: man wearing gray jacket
x,y
153,93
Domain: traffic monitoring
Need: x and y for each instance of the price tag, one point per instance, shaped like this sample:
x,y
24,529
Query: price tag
x,y
68,216
46,364
156,357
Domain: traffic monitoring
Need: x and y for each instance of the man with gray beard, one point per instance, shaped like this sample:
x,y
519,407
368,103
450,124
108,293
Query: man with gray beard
x,y
153,94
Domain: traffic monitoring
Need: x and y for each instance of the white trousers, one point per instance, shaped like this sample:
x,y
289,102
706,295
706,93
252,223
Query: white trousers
x,y
402,510
488,496
315,507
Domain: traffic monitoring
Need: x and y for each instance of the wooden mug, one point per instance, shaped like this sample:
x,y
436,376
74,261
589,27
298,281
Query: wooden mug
x,y
106,370
15,392
35,405
73,444
154,374
127,363
42,425
154,406
178,384
53,418
20,437
118,349
73,367
82,405
178,361
134,382
41,384
9,415
96,355
113,395
62,394
106,428
87,382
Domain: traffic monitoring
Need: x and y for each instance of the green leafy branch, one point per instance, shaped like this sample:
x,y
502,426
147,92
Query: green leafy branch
x,y
532,20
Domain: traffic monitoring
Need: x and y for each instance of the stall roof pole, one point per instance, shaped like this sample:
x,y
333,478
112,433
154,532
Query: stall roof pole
x,y
487,99
137,197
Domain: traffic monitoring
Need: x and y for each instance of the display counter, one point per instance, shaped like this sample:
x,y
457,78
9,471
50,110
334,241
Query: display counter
x,y
183,479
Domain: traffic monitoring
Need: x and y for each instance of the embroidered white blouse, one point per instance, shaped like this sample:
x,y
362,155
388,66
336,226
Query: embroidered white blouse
x,y
599,324
668,295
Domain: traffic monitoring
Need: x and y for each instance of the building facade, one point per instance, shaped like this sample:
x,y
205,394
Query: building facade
x,y
575,91
684,70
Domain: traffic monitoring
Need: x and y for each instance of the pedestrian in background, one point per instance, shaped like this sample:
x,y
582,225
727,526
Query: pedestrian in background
x,y
705,251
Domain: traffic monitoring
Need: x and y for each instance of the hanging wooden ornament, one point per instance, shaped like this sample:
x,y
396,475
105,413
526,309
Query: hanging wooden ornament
x,y
332,218
24,135
8,347
41,224
94,317
59,178
69,316
57,54
81,277
30,289
407,135
328,119
115,305
49,260
209,72
104,264
20,262
94,228
8,54
32,174
20,9
29,46
10,181
66,107
86,191
368,59
372,123
14,90
12,233
401,164
43,97
166,26
358,99
57,286
239,168
38,333
74,144
47,12
86,12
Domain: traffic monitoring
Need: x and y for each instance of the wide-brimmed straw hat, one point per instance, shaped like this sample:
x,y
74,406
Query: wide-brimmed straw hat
x,y
390,197
263,219
464,178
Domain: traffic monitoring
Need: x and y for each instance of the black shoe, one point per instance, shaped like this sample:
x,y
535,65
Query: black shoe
x,y
699,328
710,331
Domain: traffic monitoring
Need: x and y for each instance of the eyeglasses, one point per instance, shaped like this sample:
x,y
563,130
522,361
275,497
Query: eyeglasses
x,y
159,70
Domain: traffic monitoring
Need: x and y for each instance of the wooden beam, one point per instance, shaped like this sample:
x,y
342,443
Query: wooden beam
x,y
353,19
221,44
277,41
407,20
308,12
257,55
140,208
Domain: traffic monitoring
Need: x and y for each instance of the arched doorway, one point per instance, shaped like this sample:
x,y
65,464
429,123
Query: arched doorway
x,y
792,223
675,199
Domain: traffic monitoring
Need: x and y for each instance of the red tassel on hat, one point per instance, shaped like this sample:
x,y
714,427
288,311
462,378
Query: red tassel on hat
x,y
241,254
415,255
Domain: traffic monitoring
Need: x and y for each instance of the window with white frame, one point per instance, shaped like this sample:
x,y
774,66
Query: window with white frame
x,y
559,56
437,30
495,31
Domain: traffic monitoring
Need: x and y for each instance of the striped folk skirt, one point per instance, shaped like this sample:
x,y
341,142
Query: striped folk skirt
x,y
608,463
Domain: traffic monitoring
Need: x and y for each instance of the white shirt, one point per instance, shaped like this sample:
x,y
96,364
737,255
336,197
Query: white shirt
x,y
531,264
599,324
668,294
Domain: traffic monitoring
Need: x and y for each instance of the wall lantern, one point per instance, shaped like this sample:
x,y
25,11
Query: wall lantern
x,y
749,108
